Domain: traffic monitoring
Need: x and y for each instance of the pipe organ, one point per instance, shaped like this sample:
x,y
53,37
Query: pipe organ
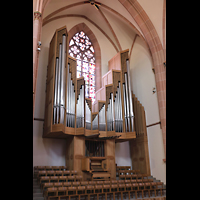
x,y
90,130
68,112
71,116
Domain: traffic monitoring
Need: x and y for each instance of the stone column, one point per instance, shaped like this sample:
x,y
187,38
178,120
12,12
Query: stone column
x,y
36,33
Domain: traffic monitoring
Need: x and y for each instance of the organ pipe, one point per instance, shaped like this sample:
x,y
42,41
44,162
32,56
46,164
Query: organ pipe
x,y
88,116
102,122
59,86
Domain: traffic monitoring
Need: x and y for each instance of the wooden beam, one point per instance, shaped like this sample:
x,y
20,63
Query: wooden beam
x,y
38,119
92,136
153,124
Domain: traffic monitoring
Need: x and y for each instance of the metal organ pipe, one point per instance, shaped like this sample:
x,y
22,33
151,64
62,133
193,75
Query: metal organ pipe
x,y
102,122
88,116
73,108
80,109
70,122
127,102
118,111
59,89
55,104
125,112
62,80
130,95
95,123
67,113
110,117
128,105
112,113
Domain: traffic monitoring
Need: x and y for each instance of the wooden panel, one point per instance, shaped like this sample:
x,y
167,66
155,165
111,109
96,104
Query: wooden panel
x,y
139,116
70,152
110,155
57,128
114,63
109,90
89,103
80,82
100,94
79,149
72,69
139,146
95,106
88,132
109,77
140,154
80,131
104,80
124,57
50,85
117,78
60,32
103,94
53,53
94,114
69,130
106,164
85,164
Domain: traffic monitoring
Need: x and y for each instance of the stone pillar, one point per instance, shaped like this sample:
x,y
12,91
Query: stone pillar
x,y
36,34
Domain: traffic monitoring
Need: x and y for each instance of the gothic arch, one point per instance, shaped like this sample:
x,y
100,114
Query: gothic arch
x,y
97,50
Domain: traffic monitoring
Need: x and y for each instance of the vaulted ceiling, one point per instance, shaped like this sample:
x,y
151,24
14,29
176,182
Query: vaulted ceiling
x,y
108,18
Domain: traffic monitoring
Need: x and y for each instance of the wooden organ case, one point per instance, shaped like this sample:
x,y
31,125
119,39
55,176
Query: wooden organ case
x,y
90,130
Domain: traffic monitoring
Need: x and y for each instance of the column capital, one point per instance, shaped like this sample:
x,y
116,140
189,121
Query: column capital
x,y
37,15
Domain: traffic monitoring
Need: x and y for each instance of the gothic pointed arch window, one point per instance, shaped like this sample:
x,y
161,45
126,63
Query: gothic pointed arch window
x,y
81,48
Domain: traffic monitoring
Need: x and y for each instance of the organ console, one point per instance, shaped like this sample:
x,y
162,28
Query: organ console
x,y
68,113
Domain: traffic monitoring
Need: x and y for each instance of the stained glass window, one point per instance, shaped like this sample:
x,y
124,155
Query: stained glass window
x,y
81,48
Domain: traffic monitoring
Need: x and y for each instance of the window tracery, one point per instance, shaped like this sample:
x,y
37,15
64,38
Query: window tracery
x,y
81,48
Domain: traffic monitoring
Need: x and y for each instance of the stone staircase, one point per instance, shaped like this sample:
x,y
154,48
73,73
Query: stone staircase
x,y
37,192
155,180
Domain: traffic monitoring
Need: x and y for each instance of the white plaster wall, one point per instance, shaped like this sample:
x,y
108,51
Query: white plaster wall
x,y
122,154
156,153
47,151
143,81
